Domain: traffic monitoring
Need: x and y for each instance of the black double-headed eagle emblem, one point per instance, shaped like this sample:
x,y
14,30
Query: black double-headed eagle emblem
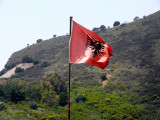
x,y
96,46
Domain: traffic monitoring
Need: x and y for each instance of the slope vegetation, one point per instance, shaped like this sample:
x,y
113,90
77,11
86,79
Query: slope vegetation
x,y
131,92
136,59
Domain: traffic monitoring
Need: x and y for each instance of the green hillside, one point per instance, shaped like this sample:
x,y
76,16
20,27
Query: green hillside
x,y
135,47
132,91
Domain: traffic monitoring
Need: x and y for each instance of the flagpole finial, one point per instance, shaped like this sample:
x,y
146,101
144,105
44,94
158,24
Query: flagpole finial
x,y
70,25
71,17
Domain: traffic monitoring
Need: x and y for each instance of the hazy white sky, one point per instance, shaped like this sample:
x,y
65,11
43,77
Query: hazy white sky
x,y
22,22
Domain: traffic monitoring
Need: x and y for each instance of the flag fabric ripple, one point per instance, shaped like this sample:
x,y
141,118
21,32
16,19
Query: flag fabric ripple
x,y
88,47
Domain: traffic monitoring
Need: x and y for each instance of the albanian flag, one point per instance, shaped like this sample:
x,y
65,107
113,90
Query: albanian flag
x,y
88,47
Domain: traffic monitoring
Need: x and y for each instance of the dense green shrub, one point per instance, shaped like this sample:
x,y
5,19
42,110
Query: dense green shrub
x,y
80,98
19,90
136,18
95,29
45,64
33,105
17,95
102,28
103,76
2,72
27,59
8,67
63,98
2,106
18,70
1,92
35,62
33,91
116,23
56,81
39,40
49,97
14,90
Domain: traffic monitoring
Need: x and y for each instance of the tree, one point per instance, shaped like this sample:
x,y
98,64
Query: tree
x,y
144,17
103,76
35,62
17,95
10,66
96,29
2,106
56,81
2,72
80,98
123,25
63,98
45,64
54,36
18,70
39,40
27,59
1,91
33,91
136,18
102,28
33,105
116,23
49,96
14,90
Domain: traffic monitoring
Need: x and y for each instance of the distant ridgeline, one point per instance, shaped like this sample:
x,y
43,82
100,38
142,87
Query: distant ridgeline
x,y
135,60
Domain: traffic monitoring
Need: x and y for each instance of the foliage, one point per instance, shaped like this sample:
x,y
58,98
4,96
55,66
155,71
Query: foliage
x,y
2,72
80,98
56,81
45,64
54,36
123,25
33,105
46,90
33,91
63,98
102,105
95,29
116,23
102,28
103,76
8,67
136,18
35,62
17,95
2,106
27,59
39,40
13,91
49,97
1,92
16,90
99,105
18,70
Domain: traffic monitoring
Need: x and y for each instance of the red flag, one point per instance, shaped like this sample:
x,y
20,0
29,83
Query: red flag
x,y
88,47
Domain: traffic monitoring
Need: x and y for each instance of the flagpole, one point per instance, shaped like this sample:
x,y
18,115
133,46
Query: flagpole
x,y
69,84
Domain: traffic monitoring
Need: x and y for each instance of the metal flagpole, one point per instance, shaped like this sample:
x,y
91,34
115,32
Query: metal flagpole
x,y
69,84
